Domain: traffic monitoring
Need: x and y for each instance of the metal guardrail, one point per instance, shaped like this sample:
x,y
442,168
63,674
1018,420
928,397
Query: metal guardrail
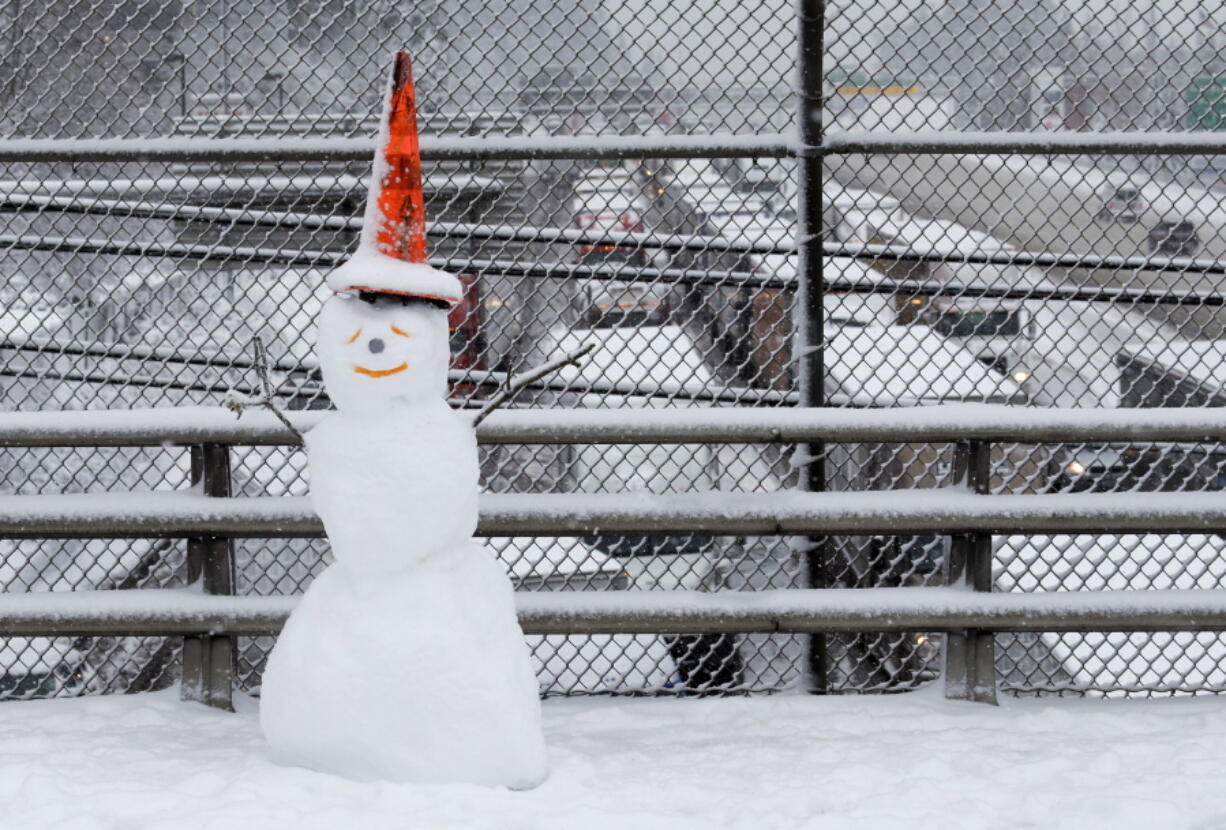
x,y
211,517
433,148
941,511
581,147
298,257
1060,142
802,611
949,423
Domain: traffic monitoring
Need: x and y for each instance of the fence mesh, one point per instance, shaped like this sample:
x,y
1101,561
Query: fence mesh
x,y
130,284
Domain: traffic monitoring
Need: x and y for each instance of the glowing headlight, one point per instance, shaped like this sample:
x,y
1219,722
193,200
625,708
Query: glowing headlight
x,y
1021,376
1076,468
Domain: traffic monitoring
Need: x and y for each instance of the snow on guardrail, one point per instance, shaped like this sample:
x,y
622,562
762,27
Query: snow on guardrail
x,y
937,424
433,148
783,513
179,612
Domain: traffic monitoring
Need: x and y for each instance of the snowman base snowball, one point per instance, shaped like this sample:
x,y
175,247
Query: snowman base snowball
x,y
423,678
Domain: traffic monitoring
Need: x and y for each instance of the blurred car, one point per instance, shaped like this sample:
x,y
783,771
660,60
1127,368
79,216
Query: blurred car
x,y
642,361
1114,468
596,663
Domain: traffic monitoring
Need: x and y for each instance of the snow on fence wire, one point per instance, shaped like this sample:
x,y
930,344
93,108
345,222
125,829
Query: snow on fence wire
x,y
211,516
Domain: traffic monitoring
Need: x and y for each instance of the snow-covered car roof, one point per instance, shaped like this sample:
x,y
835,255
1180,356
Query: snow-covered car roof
x,y
643,360
596,663
900,365
851,198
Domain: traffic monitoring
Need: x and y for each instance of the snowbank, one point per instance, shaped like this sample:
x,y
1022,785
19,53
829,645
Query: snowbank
x,y
911,761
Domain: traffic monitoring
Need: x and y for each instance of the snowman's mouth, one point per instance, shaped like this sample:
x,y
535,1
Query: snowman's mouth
x,y
380,373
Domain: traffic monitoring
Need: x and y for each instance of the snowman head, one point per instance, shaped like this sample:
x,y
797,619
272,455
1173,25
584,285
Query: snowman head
x,y
382,352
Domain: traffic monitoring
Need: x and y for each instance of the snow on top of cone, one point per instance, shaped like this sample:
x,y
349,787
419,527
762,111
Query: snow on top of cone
x,y
391,257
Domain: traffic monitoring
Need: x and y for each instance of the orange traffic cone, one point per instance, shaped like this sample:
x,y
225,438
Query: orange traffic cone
x,y
395,220
400,230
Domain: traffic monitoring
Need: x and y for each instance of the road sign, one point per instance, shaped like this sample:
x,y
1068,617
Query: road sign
x,y
1206,98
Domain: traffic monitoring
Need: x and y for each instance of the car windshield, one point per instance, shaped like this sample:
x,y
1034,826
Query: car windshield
x,y
979,323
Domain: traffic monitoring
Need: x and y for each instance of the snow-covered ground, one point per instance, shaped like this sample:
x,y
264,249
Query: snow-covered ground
x,y
149,761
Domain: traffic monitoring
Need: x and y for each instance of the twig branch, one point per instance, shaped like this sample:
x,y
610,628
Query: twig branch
x,y
514,384
266,400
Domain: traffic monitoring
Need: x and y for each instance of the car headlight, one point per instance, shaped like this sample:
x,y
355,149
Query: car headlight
x,y
1076,468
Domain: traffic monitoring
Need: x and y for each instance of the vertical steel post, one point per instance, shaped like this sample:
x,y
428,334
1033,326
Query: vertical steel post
x,y
809,340
208,661
970,655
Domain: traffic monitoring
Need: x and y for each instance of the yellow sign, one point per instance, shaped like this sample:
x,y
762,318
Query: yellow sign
x,y
872,89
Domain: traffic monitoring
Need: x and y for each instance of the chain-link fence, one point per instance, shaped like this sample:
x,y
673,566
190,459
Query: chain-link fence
x,y
1085,280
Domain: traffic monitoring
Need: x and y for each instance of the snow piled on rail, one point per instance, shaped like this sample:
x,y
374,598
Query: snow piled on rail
x,y
191,424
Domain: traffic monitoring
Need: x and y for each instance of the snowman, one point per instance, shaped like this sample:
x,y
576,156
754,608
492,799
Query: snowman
x,y
404,660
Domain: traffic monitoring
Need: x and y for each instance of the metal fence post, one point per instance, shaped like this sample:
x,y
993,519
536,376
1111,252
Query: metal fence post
x,y
810,325
970,655
208,661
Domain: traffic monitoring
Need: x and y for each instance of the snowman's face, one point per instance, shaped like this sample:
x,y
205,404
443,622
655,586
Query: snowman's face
x,y
381,353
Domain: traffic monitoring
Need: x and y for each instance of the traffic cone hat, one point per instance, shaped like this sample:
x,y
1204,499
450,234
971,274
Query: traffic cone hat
x,y
391,257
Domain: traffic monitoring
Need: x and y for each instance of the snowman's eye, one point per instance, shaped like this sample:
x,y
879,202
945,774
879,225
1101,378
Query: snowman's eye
x,y
356,335
401,333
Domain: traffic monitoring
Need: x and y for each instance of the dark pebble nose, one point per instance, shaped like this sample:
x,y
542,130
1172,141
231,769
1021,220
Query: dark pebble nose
x,y
375,346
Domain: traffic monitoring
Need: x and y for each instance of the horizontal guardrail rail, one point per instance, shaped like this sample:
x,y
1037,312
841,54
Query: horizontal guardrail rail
x,y
1061,142
585,147
946,423
300,257
787,513
433,148
895,610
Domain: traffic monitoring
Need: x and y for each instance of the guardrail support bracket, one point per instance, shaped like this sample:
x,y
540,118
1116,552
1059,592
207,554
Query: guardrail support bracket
x,y
970,655
209,661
